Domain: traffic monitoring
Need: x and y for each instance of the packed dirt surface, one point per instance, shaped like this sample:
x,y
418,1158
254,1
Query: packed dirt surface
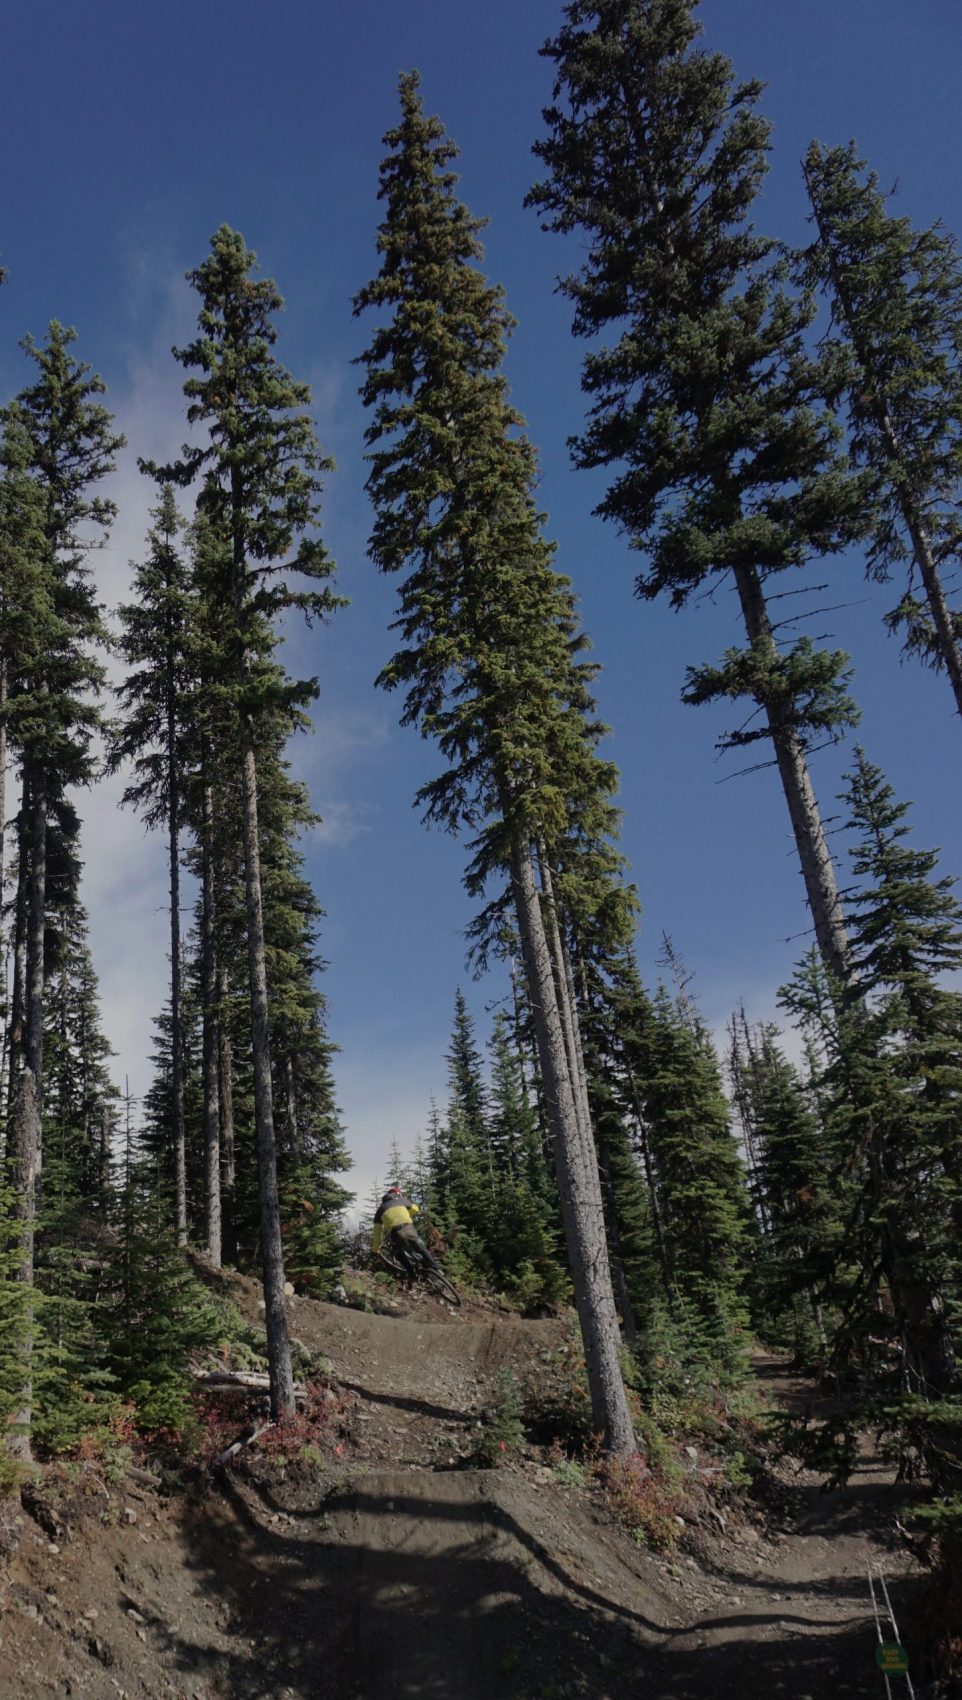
x,y
393,1570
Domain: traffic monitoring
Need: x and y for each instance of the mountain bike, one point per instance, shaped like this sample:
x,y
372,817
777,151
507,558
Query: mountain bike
x,y
427,1270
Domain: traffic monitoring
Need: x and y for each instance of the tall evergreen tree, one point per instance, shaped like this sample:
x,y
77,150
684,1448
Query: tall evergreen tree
x,y
260,468
158,645
888,1093
789,1164
489,631
700,1182
22,613
708,399
897,300
80,1100
52,712
907,929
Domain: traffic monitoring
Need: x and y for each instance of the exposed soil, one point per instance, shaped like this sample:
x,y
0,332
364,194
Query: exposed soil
x,y
395,1571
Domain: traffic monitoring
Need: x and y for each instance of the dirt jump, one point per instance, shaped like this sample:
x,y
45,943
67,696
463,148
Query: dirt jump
x,y
394,1570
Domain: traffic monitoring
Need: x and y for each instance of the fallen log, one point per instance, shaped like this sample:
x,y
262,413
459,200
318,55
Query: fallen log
x,y
233,1377
238,1445
248,1380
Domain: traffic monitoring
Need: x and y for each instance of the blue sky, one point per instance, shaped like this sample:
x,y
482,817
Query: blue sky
x,y
130,133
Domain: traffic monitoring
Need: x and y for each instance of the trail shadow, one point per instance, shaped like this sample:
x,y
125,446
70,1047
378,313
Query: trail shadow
x,y
482,1511
437,1595
418,1407
315,1615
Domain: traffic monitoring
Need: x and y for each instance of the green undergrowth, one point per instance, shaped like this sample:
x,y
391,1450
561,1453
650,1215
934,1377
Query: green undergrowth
x,y
695,1446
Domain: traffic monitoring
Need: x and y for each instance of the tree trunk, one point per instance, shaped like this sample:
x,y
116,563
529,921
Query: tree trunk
x,y
176,1034
644,1145
577,1172
949,646
211,1027
818,869
5,1103
278,1344
950,649
36,924
616,1261
104,1156
615,1254
520,1044
24,1144
290,1103
272,1251
225,1076
15,1051
565,994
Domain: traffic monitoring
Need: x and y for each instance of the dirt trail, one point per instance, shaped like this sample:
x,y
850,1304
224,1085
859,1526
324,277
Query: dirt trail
x,y
396,1574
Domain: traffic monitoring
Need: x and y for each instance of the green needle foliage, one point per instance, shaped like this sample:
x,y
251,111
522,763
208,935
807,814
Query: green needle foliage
x,y
156,1311
896,296
706,403
260,468
888,1093
700,1183
797,1224
53,712
490,641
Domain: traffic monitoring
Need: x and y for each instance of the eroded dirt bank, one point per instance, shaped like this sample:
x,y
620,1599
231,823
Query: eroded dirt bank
x,y
395,1571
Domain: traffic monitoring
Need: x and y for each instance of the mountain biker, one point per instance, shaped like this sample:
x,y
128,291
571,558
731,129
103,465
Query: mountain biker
x,y
394,1216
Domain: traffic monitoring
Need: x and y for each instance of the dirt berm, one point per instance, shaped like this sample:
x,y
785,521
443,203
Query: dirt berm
x,y
395,1571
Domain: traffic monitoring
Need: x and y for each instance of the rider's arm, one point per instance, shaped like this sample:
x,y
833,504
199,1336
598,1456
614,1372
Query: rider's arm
x,y
414,1209
377,1237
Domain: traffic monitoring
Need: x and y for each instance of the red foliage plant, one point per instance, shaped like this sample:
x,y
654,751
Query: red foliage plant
x,y
643,1500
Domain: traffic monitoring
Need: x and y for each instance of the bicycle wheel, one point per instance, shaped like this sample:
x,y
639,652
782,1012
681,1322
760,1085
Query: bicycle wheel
x,y
391,1263
436,1278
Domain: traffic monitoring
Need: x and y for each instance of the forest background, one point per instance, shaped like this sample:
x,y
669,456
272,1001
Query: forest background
x,y
130,136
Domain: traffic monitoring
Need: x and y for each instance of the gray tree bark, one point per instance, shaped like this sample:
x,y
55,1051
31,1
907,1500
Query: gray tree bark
x,y
818,869
950,649
211,1026
290,1101
278,1343
36,923
24,1145
4,964
176,1032
225,1076
577,1172
272,1252
568,1004
15,1027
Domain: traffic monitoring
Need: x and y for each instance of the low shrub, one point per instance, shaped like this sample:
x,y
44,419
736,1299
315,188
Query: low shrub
x,y
501,1429
313,1430
644,1501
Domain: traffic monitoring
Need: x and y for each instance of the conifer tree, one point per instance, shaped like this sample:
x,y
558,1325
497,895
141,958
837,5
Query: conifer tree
x,y
468,1187
51,712
700,1181
260,469
153,734
513,1131
907,929
80,1100
22,610
888,1092
15,1320
792,1187
897,300
489,634
707,402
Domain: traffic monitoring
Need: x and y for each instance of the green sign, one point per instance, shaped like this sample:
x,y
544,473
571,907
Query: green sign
x,y
891,1658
